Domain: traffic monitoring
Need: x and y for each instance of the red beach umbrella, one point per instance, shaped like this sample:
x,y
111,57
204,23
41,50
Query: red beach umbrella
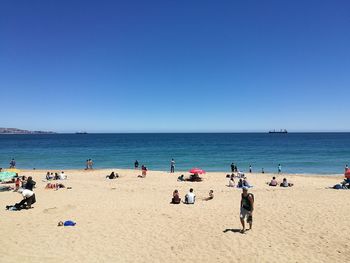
x,y
347,173
196,171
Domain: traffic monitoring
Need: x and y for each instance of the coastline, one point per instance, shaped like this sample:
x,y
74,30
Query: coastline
x,y
104,170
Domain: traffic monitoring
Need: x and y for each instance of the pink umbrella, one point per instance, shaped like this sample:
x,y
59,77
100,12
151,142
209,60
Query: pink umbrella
x,y
196,171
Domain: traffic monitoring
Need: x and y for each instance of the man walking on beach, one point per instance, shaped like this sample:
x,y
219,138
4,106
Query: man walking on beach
x,y
247,208
172,166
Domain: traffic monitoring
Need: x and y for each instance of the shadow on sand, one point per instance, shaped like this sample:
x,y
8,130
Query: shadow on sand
x,y
234,230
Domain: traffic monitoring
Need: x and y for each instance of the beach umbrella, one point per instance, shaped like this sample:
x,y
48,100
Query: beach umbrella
x,y
4,176
196,171
347,173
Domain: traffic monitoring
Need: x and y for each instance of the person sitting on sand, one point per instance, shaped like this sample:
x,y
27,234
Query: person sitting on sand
x,y
62,176
285,183
181,178
245,183
210,197
26,203
231,183
144,171
273,182
176,198
30,184
240,183
112,176
48,176
190,197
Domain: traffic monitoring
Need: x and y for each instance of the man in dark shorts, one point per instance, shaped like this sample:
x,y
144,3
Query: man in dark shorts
x,y
247,208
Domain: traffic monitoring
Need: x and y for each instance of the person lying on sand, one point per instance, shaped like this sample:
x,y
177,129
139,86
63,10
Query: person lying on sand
x,y
273,182
190,197
112,176
285,183
181,178
26,203
210,197
54,186
176,198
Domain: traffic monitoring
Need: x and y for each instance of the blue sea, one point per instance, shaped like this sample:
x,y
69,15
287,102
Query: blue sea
x,y
321,153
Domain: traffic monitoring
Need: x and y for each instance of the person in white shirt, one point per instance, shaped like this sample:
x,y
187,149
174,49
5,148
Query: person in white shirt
x,y
27,201
231,183
190,197
63,176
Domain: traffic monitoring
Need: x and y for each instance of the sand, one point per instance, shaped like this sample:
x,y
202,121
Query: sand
x,y
130,220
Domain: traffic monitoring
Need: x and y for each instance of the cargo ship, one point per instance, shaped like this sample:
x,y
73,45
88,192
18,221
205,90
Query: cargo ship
x,y
280,131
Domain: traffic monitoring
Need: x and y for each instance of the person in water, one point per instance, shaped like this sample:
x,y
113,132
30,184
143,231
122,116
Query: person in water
x,y
13,163
136,165
172,166
247,208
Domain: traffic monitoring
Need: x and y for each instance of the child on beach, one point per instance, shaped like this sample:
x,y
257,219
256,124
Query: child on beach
x,y
210,197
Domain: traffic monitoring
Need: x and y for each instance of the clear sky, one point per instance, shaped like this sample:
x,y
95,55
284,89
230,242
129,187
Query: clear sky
x,y
170,66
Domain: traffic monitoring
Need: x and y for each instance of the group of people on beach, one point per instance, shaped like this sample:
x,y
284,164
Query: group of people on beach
x,y
284,182
25,186
234,168
190,197
57,176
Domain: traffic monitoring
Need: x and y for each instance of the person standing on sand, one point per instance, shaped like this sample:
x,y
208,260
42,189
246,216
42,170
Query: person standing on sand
x,y
172,166
279,168
232,167
247,208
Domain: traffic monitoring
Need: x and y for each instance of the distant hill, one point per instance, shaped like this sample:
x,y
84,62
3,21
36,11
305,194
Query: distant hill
x,y
19,131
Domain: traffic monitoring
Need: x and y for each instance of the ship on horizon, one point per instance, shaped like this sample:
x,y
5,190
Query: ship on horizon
x,y
81,132
280,131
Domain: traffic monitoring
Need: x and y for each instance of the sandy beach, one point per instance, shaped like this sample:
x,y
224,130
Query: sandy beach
x,y
130,219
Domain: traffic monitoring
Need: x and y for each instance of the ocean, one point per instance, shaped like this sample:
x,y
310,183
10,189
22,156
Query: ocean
x,y
307,153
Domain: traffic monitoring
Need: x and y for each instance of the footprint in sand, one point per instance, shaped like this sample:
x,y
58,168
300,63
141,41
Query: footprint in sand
x,y
50,210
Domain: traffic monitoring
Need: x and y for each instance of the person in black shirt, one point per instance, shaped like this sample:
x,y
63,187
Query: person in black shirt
x,y
247,208
30,184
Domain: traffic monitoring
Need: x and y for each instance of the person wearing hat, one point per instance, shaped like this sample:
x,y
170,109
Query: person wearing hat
x,y
247,208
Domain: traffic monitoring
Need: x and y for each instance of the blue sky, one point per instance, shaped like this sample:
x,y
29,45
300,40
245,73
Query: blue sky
x,y
173,66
